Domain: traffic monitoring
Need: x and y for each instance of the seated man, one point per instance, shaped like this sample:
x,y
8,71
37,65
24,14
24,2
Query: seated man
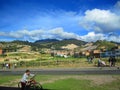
x,y
101,63
24,79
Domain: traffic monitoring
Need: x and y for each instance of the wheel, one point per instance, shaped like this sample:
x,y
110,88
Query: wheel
x,y
19,85
36,86
26,86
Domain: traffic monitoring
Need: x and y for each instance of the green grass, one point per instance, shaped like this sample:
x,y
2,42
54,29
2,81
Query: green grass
x,y
8,78
69,82
45,77
74,84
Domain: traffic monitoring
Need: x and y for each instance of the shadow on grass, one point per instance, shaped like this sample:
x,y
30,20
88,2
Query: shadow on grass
x,y
15,88
9,88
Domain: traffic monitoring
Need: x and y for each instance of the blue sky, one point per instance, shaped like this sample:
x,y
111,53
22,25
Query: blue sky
x,y
87,20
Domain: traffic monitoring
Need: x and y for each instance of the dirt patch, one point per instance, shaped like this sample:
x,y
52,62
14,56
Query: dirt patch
x,y
98,79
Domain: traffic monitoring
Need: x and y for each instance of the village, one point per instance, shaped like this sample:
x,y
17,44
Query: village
x,y
70,52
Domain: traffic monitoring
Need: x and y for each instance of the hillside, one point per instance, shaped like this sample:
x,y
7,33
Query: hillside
x,y
59,44
99,45
70,46
46,41
103,44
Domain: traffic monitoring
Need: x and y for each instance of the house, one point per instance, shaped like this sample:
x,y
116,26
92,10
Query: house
x,y
117,52
62,53
119,47
86,53
96,53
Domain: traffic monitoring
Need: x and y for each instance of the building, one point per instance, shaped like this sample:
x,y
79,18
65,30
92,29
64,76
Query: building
x,y
96,53
86,53
117,52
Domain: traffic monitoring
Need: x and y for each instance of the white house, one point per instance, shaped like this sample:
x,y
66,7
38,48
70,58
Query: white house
x,y
117,52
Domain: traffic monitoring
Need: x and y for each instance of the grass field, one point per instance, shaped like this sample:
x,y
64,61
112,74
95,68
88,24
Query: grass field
x,y
69,82
37,60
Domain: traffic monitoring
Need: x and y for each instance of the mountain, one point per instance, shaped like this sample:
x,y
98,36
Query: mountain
x,y
103,44
115,42
21,42
57,44
70,46
65,42
46,41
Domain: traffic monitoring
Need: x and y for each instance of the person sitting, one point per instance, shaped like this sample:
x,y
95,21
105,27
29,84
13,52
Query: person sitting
x,y
101,63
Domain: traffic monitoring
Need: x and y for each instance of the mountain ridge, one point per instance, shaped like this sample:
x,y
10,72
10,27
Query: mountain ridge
x,y
58,44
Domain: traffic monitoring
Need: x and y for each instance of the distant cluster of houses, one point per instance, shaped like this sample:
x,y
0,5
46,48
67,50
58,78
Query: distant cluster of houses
x,y
115,53
94,53
65,53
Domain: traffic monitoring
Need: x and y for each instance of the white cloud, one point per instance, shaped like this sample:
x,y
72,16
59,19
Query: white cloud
x,y
61,34
113,37
2,34
116,8
91,37
58,33
117,5
101,21
24,34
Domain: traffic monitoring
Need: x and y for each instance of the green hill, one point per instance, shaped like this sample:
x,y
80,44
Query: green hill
x,y
65,42
105,44
56,44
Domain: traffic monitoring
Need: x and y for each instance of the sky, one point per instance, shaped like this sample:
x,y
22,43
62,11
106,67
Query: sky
x,y
87,20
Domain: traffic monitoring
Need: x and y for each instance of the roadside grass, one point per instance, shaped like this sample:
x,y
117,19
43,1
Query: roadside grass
x,y
115,85
74,84
8,78
12,80
69,82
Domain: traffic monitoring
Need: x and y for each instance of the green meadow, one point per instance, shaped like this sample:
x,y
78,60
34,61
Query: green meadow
x,y
68,82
